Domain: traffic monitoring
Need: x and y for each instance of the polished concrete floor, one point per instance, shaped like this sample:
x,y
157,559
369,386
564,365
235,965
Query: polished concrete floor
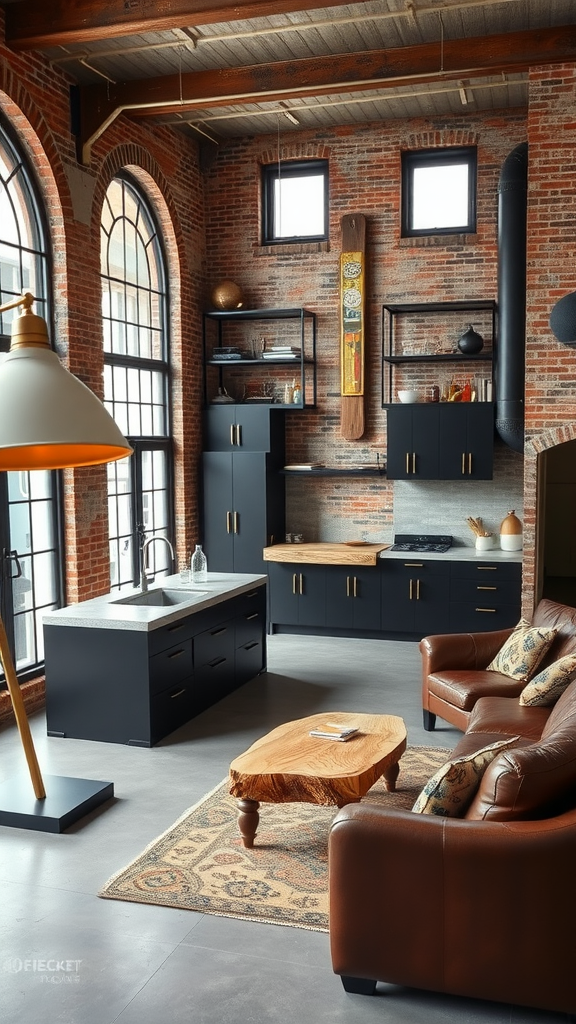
x,y
134,964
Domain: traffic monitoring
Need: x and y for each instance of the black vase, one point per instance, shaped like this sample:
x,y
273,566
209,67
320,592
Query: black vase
x,y
471,343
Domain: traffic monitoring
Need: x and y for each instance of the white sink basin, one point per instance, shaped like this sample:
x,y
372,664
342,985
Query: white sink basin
x,y
161,597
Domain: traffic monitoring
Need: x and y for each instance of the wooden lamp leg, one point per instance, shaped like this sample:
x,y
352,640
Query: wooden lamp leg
x,y
20,715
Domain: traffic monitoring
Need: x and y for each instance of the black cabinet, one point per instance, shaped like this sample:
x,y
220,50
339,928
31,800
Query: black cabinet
x,y
484,595
353,597
297,594
135,687
441,441
249,428
415,596
243,489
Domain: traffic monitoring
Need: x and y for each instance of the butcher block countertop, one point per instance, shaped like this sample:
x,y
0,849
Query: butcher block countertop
x,y
326,554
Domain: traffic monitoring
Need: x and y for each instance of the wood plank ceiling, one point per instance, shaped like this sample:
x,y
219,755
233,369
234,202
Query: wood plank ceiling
x,y
223,69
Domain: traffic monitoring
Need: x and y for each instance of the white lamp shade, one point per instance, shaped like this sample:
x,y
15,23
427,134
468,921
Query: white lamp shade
x,y
49,419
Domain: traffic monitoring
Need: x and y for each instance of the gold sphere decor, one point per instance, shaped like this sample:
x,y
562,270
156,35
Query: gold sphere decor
x,y
227,295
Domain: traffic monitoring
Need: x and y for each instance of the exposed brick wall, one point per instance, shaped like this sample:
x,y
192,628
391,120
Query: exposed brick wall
x,y
365,173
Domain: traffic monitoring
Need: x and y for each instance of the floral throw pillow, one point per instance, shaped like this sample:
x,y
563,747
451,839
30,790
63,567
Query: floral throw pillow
x,y
523,651
451,789
545,688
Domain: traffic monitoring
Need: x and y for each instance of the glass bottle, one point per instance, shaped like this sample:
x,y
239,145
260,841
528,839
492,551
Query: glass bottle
x,y
199,566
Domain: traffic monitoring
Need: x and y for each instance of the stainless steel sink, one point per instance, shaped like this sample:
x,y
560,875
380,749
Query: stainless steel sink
x,y
160,597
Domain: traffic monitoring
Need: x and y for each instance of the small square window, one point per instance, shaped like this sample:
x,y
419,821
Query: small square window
x,y
439,191
295,202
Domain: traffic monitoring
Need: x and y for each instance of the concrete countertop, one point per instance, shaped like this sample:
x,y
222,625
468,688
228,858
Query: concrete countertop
x,y
112,612
456,554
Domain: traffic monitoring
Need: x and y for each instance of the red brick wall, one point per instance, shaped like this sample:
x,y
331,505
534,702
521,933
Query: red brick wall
x,y
551,257
365,178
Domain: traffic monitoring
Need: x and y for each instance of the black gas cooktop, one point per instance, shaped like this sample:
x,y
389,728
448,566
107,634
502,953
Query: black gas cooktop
x,y
421,542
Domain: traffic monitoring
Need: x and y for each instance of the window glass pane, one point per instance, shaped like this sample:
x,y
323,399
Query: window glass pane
x,y
299,206
42,526
43,579
22,586
440,196
25,640
39,484
20,529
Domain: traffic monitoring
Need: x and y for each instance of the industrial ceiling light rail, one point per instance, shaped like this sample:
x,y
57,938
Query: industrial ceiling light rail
x,y
48,420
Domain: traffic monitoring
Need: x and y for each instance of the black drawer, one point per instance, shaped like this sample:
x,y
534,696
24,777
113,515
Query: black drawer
x,y
485,591
169,667
213,681
175,633
483,616
484,570
216,642
249,626
412,566
171,709
249,661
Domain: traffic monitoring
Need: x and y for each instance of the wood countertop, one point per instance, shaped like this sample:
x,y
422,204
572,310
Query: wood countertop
x,y
325,554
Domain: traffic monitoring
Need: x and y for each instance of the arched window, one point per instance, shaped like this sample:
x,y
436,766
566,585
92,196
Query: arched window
x,y
30,550
136,381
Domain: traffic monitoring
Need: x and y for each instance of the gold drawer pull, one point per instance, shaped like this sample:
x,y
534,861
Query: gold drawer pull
x,y
294,578
176,654
347,586
485,609
413,565
217,632
228,522
236,530
411,588
232,434
417,590
301,583
216,662
486,588
407,462
254,615
413,462
487,568
355,587
463,463
470,462
178,694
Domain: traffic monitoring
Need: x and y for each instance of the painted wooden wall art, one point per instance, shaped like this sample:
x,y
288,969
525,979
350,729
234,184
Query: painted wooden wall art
x,y
352,325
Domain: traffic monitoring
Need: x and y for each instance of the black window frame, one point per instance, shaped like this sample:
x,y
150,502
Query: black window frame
x,y
291,169
438,157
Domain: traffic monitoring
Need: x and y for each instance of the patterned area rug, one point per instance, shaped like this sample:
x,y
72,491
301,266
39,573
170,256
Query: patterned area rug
x,y
200,864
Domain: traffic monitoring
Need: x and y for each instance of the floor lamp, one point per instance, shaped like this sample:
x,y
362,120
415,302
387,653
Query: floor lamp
x,y
48,420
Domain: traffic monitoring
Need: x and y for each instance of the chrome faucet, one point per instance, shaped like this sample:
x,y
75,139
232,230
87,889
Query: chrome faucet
x,y
144,554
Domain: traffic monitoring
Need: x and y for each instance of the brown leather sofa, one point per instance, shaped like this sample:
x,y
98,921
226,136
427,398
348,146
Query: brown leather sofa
x,y
454,672
481,906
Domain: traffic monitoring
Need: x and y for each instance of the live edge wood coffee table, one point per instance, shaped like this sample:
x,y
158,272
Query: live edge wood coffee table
x,y
289,765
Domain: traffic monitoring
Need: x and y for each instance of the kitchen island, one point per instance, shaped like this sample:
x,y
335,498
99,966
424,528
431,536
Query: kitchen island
x,y
131,667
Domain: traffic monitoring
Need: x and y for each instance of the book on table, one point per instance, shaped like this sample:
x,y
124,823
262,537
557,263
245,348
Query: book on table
x,y
333,731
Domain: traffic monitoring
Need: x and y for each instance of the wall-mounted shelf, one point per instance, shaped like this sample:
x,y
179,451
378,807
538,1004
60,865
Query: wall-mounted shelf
x,y
390,324
302,368
323,471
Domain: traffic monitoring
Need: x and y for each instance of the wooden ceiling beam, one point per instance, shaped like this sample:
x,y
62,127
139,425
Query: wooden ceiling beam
x,y
37,24
100,105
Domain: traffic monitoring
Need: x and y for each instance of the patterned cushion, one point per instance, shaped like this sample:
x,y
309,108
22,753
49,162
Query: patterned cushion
x,y
451,789
545,688
523,651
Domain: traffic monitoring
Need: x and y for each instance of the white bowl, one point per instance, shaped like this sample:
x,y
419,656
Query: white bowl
x,y
408,397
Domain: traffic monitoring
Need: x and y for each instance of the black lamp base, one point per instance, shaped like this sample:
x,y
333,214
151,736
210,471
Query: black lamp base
x,y
67,800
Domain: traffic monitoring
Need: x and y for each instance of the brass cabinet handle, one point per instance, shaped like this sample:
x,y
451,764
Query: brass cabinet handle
x,y
487,568
236,530
239,434
485,609
469,463
228,522
417,590
355,587
411,589
216,632
413,565
176,654
413,462
463,463
407,462
253,616
301,583
347,586
294,578
486,588
178,694
216,662
232,434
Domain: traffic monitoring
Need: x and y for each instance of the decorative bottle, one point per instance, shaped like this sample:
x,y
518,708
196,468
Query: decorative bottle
x,y
199,565
511,532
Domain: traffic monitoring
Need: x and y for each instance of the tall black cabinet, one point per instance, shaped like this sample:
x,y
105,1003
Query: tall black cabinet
x,y
243,490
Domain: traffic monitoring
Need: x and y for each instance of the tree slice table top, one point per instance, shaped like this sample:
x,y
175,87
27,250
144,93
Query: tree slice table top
x,y
290,765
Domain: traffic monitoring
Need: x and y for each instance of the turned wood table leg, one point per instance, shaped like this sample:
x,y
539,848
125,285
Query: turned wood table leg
x,y
390,775
248,819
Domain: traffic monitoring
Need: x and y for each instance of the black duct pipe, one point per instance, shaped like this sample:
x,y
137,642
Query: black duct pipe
x,y
509,356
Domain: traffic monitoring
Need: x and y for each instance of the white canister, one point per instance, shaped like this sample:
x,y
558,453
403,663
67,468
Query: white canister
x,y
484,543
511,532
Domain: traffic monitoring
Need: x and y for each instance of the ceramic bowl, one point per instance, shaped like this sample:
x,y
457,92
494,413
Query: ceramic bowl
x,y
408,397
